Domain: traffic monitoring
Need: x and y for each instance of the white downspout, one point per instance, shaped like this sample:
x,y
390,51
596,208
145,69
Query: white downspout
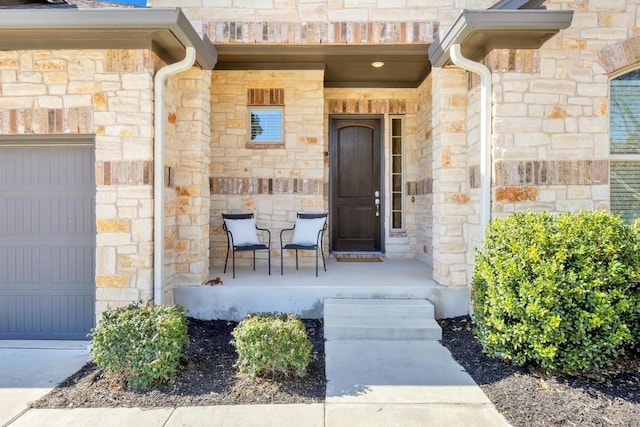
x,y
485,130
158,168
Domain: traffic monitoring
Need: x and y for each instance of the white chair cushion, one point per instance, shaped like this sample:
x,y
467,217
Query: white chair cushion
x,y
306,231
243,231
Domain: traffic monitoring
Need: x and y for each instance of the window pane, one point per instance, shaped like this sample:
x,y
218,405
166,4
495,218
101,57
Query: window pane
x,y
396,202
396,127
396,146
625,116
266,124
397,182
397,164
397,220
625,189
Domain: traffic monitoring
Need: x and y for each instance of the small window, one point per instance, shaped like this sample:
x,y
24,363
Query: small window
x,y
266,125
624,168
397,199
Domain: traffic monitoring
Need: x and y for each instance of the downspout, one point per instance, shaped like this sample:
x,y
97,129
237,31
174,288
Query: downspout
x,y
485,130
158,168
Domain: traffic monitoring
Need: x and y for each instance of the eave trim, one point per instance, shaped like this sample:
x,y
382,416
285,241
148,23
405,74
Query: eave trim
x,y
525,29
60,25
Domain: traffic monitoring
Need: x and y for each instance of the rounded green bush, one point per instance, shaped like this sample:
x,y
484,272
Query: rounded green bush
x,y
143,345
272,344
558,291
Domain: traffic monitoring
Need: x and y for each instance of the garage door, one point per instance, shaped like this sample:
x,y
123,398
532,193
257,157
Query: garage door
x,y
47,241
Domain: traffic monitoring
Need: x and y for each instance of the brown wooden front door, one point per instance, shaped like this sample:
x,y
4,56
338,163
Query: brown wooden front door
x,y
355,165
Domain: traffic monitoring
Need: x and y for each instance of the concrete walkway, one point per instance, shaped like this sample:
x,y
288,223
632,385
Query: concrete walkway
x,y
370,382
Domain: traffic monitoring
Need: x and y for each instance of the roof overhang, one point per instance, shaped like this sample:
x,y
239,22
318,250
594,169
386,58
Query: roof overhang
x,y
344,65
167,32
480,31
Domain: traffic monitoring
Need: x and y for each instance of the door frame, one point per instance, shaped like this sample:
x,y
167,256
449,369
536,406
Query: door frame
x,y
332,159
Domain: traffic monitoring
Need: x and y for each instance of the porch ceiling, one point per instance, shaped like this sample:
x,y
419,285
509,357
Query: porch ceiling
x,y
344,65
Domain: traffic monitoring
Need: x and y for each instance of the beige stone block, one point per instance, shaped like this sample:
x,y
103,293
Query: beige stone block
x,y
574,205
113,239
142,230
52,102
104,211
71,101
600,193
23,89
553,86
593,124
84,87
105,261
138,81
117,297
579,192
123,104
112,281
30,77
112,226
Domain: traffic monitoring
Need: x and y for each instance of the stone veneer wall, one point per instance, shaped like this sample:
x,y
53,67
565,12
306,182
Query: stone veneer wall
x,y
274,182
422,190
451,199
551,122
110,94
187,160
444,11
399,102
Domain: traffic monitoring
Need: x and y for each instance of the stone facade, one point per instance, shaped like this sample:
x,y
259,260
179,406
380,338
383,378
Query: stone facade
x,y
549,131
108,94
274,182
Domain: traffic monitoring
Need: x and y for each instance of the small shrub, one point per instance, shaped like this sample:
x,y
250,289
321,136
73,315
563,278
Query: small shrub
x,y
272,344
143,345
559,291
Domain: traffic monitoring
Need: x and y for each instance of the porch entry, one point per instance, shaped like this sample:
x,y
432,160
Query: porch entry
x,y
355,165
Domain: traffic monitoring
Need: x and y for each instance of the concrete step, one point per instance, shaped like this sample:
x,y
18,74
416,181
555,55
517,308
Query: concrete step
x,y
380,319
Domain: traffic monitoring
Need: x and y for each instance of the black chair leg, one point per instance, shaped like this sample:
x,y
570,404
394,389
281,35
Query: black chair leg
x,y
234,263
316,261
323,263
281,261
269,260
296,259
254,260
225,260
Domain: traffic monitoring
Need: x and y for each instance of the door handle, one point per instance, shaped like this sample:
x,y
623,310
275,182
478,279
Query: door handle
x,y
377,206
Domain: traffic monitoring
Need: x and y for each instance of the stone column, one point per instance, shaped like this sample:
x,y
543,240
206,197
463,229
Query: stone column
x,y
451,201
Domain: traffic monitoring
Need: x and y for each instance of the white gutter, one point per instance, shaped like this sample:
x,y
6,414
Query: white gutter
x,y
158,168
485,129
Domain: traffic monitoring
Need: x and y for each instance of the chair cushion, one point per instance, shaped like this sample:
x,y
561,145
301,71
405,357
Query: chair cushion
x,y
306,231
243,231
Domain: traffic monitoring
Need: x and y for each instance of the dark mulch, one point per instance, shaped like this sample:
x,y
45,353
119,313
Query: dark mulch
x,y
527,397
206,377
524,396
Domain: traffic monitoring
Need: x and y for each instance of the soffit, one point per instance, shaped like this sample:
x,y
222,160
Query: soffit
x,y
345,65
165,31
480,31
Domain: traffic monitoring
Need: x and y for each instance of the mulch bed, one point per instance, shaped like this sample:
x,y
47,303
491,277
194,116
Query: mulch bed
x,y
206,377
524,396
527,397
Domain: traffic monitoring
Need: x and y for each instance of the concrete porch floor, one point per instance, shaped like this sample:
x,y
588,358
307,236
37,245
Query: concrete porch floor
x,y
302,293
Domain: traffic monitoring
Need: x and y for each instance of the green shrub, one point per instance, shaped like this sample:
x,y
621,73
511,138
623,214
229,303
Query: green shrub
x,y
558,291
272,344
143,345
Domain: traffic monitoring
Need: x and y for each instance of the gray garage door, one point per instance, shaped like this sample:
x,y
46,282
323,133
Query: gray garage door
x,y
47,241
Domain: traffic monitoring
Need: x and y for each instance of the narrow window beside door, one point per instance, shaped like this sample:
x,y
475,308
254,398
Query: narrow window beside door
x,y
397,199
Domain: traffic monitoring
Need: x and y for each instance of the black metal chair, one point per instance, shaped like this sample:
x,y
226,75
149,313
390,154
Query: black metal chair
x,y
308,234
242,235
